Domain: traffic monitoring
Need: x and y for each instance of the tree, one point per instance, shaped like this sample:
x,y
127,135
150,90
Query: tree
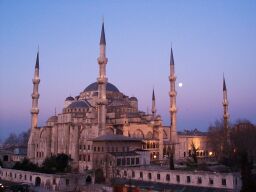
x,y
217,141
59,163
12,139
194,153
248,185
26,165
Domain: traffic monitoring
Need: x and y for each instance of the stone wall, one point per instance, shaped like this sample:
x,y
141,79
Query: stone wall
x,y
230,181
54,182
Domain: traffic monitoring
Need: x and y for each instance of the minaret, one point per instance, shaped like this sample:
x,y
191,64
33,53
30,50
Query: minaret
x,y
225,110
102,82
35,95
153,110
173,109
34,112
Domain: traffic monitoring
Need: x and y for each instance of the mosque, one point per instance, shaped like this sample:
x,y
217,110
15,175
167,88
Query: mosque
x,y
102,127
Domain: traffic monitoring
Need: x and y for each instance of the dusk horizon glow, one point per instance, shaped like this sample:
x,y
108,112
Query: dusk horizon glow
x,y
208,39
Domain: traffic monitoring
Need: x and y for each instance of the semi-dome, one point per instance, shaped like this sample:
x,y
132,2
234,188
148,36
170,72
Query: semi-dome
x,y
79,104
94,87
133,99
53,119
70,98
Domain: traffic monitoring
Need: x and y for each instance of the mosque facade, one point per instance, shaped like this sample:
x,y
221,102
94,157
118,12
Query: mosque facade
x,y
103,127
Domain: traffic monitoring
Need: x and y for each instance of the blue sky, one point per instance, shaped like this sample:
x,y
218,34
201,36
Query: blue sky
x,y
209,38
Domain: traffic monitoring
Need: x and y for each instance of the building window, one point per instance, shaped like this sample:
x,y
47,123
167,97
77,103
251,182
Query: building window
x,y
67,181
89,147
30,178
177,178
102,149
137,160
168,177
123,149
125,173
80,147
94,148
141,174
123,161
133,174
5,158
25,177
80,157
15,175
188,179
132,161
128,161
89,159
210,181
98,148
223,181
84,147
54,181
158,176
149,176
199,180
118,162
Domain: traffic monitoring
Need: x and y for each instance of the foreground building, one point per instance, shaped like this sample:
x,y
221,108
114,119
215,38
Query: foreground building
x,y
103,122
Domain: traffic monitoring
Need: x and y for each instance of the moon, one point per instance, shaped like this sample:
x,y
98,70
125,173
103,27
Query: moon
x,y
180,84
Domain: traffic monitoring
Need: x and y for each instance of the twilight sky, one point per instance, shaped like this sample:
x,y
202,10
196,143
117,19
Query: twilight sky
x,y
209,38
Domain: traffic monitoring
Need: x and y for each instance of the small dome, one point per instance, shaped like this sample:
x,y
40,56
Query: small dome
x,y
70,98
94,87
79,104
133,99
52,119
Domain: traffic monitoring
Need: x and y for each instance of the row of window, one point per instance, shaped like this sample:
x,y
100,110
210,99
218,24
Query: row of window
x,y
128,161
17,175
83,147
168,178
39,154
111,149
150,145
85,158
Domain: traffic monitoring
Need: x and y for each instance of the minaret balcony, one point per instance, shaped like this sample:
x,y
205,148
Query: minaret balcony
x,y
35,95
172,93
36,81
225,103
102,80
226,116
172,78
34,111
102,101
173,109
102,60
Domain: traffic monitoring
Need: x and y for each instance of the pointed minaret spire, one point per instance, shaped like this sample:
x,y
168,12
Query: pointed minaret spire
x,y
171,58
153,110
102,36
224,84
102,83
225,111
37,60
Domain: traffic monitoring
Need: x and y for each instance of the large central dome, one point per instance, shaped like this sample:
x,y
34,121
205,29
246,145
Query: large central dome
x,y
94,87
